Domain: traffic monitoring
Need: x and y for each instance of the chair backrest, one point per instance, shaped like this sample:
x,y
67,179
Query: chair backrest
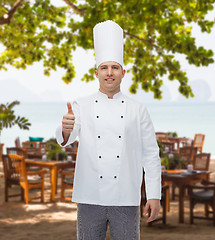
x,y
20,167
75,147
17,142
187,153
42,145
161,136
199,141
17,151
201,161
71,152
9,169
168,147
30,145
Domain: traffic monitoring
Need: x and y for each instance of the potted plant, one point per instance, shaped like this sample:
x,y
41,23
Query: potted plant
x,y
54,151
173,134
173,162
160,148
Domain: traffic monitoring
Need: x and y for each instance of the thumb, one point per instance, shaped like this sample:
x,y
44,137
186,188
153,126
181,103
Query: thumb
x,y
69,106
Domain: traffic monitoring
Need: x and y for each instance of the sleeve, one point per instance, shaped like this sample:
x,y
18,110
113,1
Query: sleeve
x,y
76,130
151,159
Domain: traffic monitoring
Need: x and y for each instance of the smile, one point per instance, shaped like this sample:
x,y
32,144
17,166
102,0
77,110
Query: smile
x,y
109,80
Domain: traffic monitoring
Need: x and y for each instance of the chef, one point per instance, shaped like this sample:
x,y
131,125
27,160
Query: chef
x,y
116,141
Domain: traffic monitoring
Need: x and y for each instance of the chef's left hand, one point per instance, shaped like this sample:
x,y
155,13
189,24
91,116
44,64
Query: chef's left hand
x,y
154,205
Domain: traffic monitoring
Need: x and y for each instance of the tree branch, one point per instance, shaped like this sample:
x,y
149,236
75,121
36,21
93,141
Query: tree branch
x,y
150,41
8,16
75,8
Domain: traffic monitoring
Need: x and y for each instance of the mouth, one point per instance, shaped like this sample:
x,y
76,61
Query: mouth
x,y
109,80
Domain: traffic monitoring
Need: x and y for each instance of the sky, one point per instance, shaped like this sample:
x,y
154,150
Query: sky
x,y
31,85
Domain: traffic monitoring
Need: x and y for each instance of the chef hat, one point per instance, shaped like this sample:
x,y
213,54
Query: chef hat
x,y
108,42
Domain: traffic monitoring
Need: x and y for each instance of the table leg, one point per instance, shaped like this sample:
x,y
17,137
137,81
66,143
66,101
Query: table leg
x,y
167,200
181,204
53,182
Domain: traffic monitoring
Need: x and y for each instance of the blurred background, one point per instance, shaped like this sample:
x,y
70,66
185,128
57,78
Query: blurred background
x,y
43,99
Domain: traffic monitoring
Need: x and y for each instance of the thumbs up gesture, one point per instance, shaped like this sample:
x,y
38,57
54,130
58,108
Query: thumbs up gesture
x,y
68,121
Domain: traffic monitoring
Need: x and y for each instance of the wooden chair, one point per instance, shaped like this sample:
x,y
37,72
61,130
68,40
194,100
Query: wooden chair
x,y
28,180
75,147
199,141
70,152
201,161
67,177
11,178
168,147
17,151
31,146
21,152
42,145
187,154
205,194
17,142
186,142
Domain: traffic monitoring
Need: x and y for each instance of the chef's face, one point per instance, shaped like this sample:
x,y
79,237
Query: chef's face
x,y
110,75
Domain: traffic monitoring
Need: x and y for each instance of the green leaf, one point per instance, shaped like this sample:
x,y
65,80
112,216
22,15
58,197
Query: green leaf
x,y
155,32
8,119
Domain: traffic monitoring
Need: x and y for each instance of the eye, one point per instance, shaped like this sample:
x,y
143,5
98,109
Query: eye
x,y
103,67
115,67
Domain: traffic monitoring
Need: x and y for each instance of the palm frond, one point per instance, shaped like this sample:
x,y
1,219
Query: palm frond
x,y
8,119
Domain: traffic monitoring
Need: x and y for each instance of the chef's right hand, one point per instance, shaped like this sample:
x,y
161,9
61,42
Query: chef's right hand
x,y
68,121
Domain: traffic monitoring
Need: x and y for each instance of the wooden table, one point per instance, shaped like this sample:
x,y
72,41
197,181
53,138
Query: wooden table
x,y
54,166
181,179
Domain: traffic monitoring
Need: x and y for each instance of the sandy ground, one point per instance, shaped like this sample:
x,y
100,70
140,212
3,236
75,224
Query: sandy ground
x,y
49,221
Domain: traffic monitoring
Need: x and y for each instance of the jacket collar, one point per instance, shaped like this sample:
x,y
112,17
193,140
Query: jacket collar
x,y
105,96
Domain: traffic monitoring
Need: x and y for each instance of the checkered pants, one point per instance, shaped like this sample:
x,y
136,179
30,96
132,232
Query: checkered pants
x,y
92,222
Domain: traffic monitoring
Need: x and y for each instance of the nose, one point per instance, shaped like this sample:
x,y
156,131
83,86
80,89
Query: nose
x,y
109,72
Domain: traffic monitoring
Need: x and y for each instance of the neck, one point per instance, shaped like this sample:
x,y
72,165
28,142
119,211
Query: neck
x,y
109,94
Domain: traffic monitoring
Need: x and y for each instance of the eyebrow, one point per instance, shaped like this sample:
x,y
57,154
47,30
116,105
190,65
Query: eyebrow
x,y
111,65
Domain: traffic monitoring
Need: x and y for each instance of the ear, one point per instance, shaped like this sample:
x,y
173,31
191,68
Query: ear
x,y
96,73
123,73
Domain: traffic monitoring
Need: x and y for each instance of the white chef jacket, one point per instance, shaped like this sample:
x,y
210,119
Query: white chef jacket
x,y
116,141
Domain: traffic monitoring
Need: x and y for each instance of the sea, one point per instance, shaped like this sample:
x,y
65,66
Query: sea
x,y
183,118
